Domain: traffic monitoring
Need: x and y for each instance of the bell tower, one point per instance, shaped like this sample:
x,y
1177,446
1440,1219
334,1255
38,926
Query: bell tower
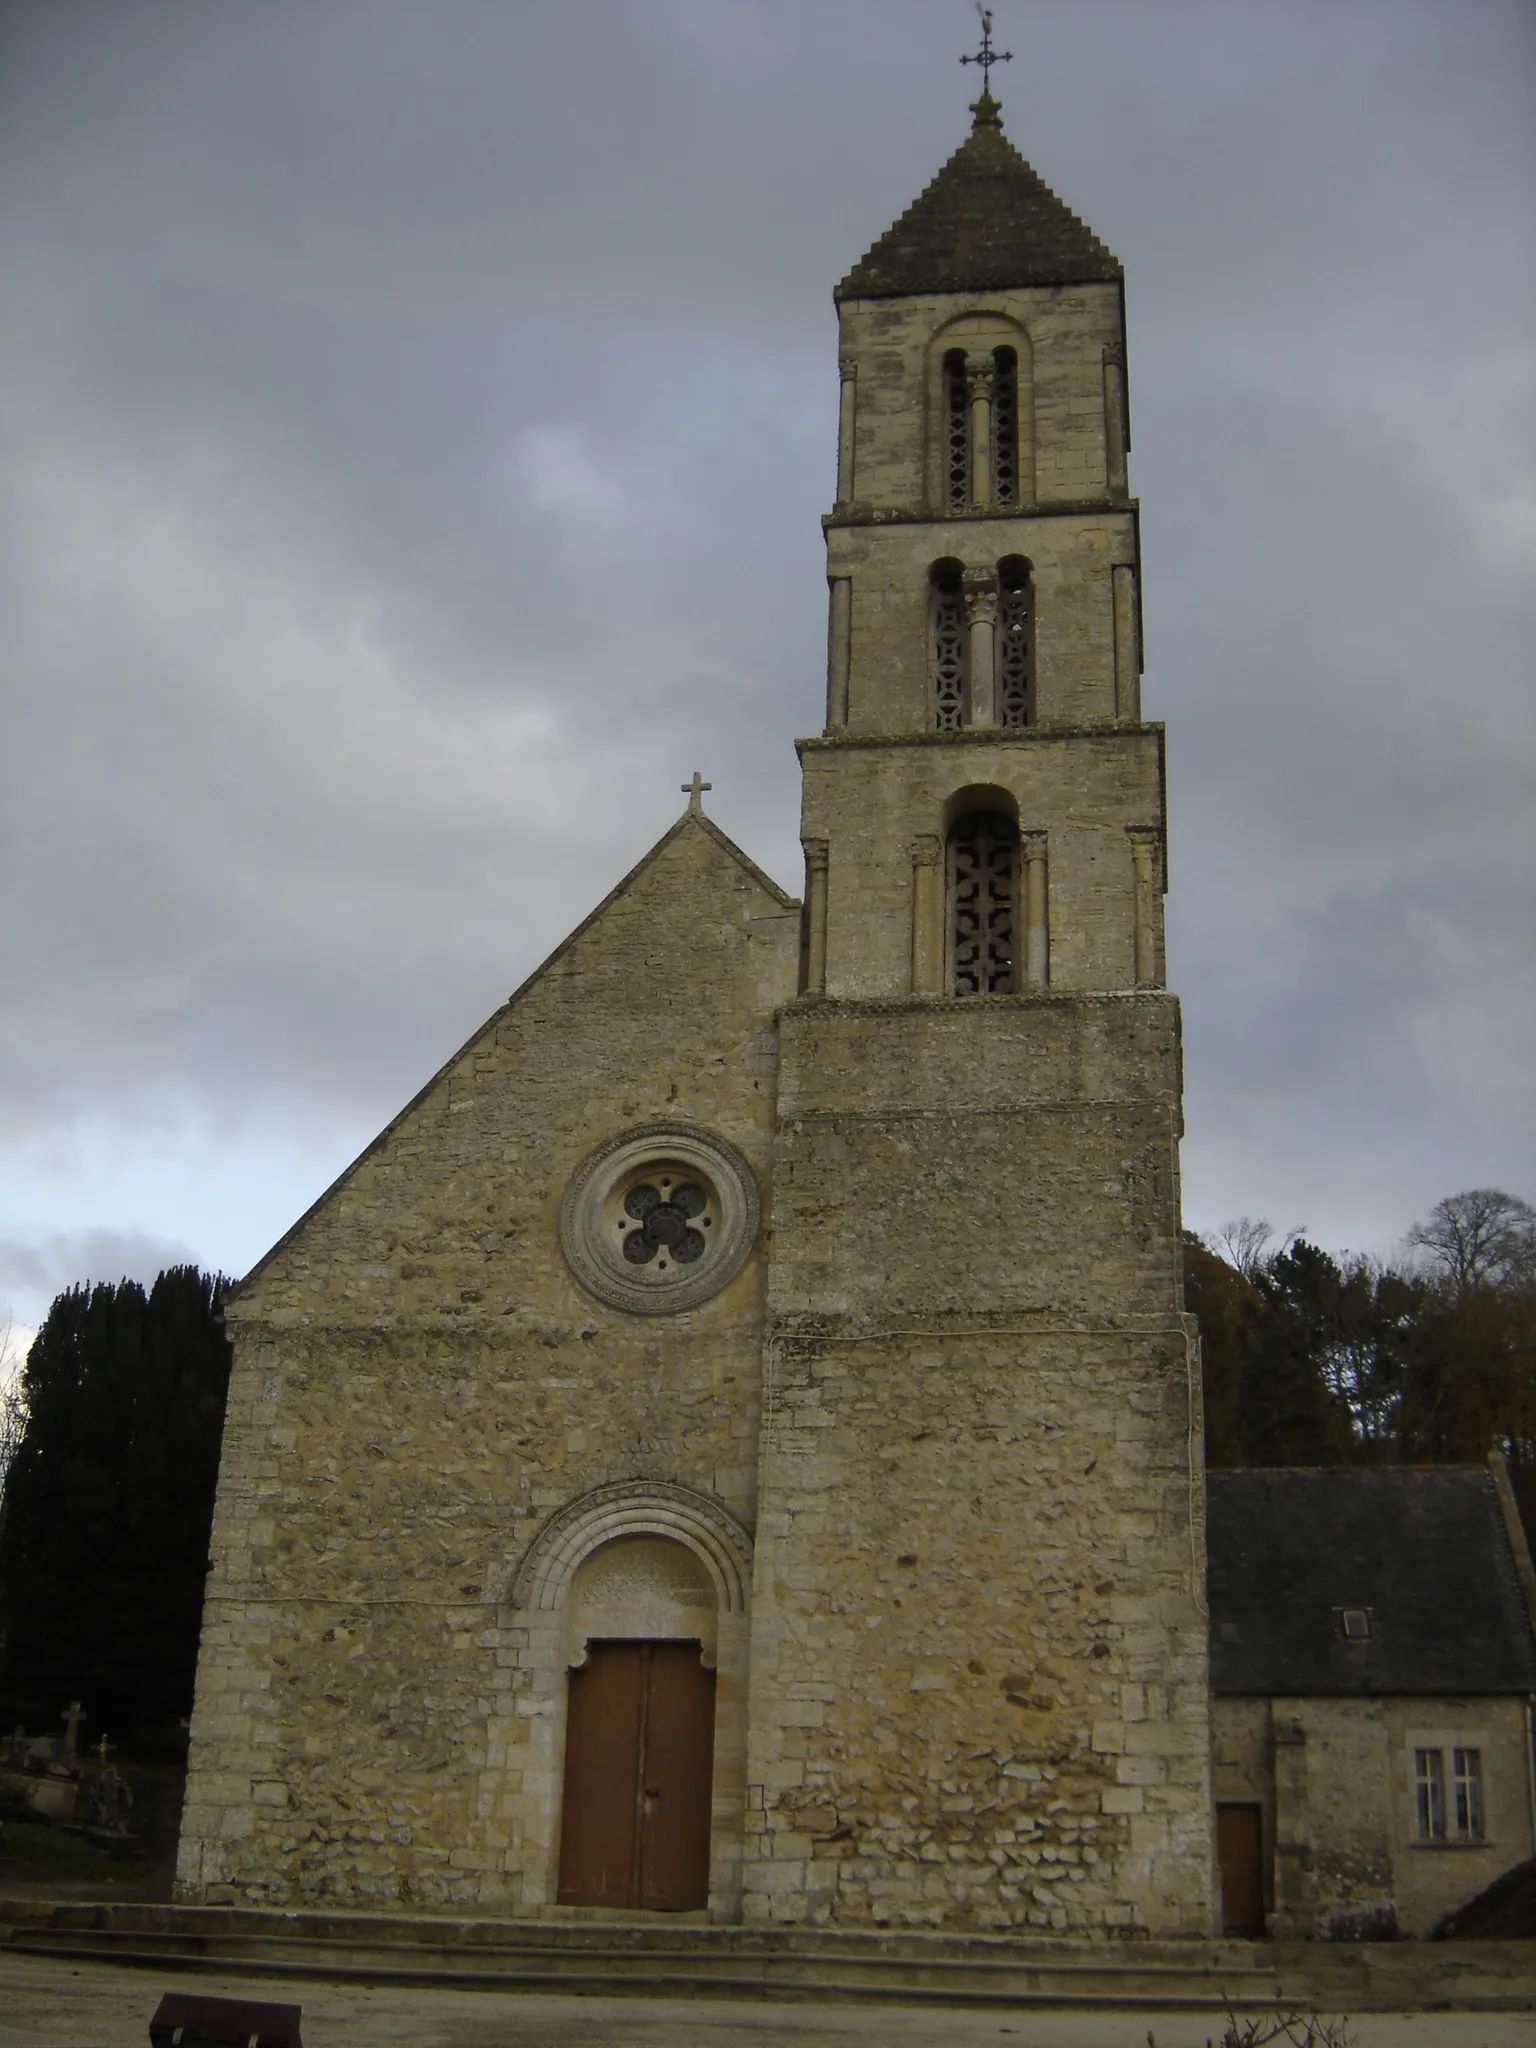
x,y
978,1693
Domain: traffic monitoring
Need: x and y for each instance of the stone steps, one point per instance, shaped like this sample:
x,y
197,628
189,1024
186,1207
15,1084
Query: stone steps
x,y
779,1963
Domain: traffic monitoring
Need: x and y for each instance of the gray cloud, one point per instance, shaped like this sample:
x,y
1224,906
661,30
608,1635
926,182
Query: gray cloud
x,y
417,424
47,1265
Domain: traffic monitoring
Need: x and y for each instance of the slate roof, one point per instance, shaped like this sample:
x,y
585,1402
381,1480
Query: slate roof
x,y
1426,1551
987,221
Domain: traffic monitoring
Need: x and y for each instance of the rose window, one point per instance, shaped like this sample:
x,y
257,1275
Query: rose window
x,y
664,1220
659,1218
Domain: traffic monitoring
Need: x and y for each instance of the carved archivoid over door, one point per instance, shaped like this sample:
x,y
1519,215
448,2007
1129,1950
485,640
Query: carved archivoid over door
x,y
982,895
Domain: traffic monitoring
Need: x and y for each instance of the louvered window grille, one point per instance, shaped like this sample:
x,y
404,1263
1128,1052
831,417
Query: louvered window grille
x,y
957,430
1005,427
947,655
983,887
1015,645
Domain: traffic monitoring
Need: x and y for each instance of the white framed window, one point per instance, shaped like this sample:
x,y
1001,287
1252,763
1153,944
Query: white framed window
x,y
1467,1794
1449,1803
1429,1793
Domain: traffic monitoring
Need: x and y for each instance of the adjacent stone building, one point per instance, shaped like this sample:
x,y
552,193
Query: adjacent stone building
x,y
1373,1670
732,1443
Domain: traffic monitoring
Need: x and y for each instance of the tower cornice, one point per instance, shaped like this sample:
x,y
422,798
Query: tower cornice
x,y
980,737
1001,515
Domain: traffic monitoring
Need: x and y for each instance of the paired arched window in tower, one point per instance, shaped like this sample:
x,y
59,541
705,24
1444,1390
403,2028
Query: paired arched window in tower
x,y
981,659
981,426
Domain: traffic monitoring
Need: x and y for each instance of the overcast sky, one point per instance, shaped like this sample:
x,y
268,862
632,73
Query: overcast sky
x,y
416,418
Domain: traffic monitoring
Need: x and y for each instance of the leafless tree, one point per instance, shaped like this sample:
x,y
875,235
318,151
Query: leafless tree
x,y
1481,1238
1244,1243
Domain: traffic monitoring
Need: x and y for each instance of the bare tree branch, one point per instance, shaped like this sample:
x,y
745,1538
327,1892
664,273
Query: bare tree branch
x,y
1478,1239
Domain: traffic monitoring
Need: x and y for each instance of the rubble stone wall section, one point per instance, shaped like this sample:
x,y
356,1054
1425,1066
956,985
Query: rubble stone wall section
x,y
979,1656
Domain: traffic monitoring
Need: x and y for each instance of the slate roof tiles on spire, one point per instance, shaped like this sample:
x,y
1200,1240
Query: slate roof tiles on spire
x,y
987,221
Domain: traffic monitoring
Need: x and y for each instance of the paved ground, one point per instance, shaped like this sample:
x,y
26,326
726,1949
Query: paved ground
x,y
46,2004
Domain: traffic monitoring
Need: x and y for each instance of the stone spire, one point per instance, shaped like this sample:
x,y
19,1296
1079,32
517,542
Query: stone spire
x,y
986,222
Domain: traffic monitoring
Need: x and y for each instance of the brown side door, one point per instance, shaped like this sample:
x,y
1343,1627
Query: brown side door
x,y
639,1760
1240,1853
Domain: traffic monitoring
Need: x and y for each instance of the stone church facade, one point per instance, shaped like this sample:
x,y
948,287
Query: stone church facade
x,y
731,1444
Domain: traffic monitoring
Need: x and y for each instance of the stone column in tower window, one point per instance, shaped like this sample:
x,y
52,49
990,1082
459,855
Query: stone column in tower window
x,y
816,916
846,408
980,588
1144,858
980,382
1037,941
839,638
927,908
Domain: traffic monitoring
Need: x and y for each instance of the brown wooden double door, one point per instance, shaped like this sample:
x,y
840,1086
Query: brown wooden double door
x,y
639,1760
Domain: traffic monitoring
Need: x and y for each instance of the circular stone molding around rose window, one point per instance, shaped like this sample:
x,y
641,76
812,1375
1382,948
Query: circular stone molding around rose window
x,y
659,1218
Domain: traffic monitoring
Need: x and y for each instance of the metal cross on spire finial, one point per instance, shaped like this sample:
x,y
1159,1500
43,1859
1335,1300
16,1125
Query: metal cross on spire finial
x,y
986,56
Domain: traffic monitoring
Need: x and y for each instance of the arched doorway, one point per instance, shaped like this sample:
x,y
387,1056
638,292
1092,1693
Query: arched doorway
x,y
641,1626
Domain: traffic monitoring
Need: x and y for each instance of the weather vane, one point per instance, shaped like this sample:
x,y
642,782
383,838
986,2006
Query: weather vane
x,y
986,56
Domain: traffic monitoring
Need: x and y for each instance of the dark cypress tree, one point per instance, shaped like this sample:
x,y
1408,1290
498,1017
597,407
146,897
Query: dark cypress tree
x,y
105,1514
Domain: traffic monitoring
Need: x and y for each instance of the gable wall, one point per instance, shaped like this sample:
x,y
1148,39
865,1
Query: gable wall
x,y
419,1384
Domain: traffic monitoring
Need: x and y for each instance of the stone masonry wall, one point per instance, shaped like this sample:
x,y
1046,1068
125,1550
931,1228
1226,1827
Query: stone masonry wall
x,y
979,1678
419,1384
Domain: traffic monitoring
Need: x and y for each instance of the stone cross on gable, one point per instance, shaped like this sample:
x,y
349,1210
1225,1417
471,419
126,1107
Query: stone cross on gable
x,y
694,791
73,1715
